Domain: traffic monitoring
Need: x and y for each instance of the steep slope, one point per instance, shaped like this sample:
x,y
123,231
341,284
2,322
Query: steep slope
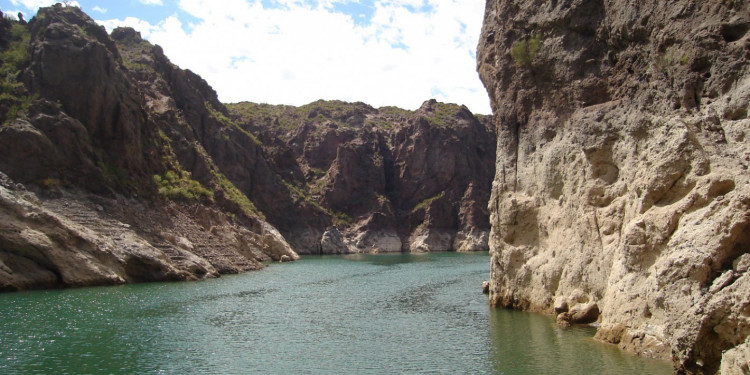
x,y
199,125
391,180
324,174
622,185
134,159
118,168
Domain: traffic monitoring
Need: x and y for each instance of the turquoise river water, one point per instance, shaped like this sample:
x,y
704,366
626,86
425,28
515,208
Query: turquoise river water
x,y
364,314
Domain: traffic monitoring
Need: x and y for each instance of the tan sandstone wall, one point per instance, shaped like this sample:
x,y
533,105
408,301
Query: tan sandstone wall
x,y
622,184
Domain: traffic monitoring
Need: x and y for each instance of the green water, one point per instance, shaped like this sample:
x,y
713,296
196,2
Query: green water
x,y
379,314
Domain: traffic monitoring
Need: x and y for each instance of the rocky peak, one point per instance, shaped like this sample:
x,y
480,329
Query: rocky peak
x,y
390,179
74,62
62,22
118,141
111,140
126,35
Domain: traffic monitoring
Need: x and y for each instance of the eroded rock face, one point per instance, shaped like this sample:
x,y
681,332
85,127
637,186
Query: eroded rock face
x,y
42,248
142,155
73,62
391,180
116,146
622,169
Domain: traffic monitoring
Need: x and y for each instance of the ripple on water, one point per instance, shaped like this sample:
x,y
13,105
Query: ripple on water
x,y
421,314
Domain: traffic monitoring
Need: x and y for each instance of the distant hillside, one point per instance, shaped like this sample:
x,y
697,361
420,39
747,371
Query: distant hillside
x,y
118,166
390,179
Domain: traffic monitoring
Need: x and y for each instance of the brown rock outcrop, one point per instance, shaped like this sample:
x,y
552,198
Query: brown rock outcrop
x,y
74,63
117,140
116,146
622,169
187,109
391,180
41,248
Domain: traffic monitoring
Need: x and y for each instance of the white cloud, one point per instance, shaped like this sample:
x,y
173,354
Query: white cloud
x,y
99,9
151,2
298,53
144,27
33,5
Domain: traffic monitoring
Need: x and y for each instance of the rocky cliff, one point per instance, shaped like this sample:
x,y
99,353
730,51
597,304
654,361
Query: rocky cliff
x,y
118,166
115,149
390,180
622,187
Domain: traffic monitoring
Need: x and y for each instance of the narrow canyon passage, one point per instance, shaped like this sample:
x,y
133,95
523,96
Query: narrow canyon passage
x,y
349,314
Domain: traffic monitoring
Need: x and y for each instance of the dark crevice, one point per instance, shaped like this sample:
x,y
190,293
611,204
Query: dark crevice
x,y
734,32
517,145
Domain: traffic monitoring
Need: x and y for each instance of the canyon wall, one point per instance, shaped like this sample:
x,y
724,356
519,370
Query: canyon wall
x,y
106,177
391,180
118,166
622,186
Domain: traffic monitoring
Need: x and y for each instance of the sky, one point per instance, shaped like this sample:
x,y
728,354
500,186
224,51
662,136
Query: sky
x,y
381,52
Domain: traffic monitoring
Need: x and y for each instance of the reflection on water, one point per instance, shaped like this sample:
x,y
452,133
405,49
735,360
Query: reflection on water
x,y
325,315
389,259
533,344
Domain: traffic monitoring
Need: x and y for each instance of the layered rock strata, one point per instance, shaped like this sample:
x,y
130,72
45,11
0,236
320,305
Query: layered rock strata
x,y
622,170
79,239
125,189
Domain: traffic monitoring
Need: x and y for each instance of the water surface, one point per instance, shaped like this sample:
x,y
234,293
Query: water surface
x,y
379,314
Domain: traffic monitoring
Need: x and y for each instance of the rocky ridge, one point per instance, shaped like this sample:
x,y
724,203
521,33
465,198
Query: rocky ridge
x,y
622,192
391,180
136,161
107,181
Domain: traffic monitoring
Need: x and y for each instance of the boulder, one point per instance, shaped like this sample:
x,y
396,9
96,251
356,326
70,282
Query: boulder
x,y
486,287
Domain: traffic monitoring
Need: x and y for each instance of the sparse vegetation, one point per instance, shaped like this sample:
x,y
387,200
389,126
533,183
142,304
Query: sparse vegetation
x,y
179,185
336,112
443,114
394,111
229,123
341,219
667,61
426,203
525,50
14,98
317,172
132,53
176,183
273,116
114,175
302,195
236,196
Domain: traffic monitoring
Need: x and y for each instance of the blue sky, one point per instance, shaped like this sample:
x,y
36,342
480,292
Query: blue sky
x,y
381,52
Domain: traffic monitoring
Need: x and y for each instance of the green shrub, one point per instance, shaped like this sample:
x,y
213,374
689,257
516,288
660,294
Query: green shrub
x,y
426,203
236,196
524,51
178,185
50,183
341,219
227,122
666,62
14,98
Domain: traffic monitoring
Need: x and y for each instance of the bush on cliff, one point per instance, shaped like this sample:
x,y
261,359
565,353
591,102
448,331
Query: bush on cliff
x,y
524,51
